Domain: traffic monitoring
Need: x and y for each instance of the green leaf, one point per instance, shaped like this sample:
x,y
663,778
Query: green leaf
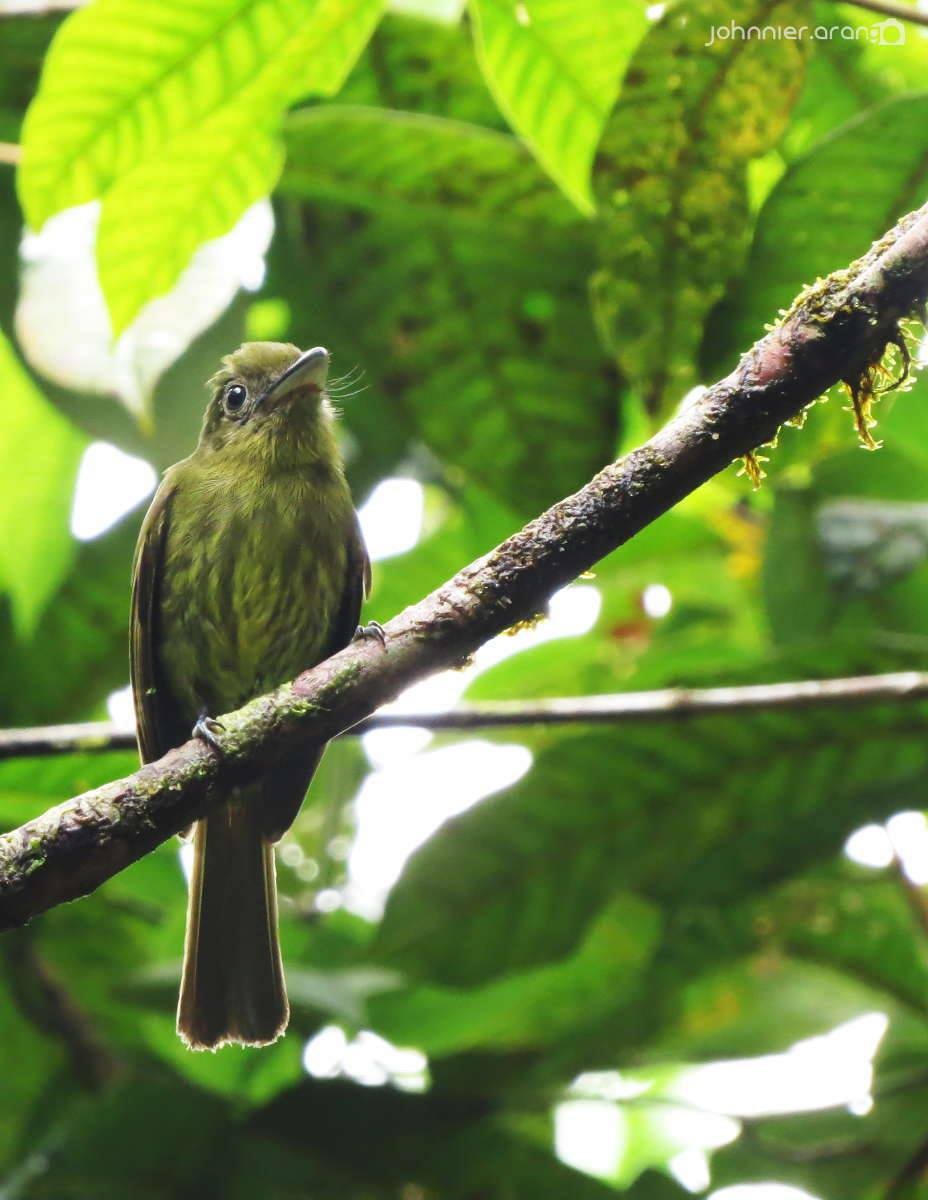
x,y
825,211
28,786
848,75
530,1008
118,1142
553,67
863,60
760,1004
836,1153
862,924
177,71
156,215
778,967
740,801
185,124
39,456
441,290
78,652
177,405
410,163
671,175
848,553
450,1146
475,343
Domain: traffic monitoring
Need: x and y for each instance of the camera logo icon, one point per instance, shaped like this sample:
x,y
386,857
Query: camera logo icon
x,y
888,33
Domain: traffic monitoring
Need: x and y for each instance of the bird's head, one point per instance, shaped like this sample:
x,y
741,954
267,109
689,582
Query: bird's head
x,y
268,399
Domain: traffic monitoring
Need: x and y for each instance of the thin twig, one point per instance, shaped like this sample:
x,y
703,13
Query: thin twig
x,y
888,8
837,330
623,708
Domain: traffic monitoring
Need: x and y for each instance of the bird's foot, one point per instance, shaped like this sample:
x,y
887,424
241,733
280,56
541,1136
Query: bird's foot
x,y
373,629
207,729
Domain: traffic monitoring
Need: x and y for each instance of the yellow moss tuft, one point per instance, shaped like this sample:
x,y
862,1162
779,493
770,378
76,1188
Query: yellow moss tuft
x,y
862,396
890,373
750,466
531,622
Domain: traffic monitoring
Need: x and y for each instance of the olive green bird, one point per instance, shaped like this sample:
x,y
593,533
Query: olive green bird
x,y
250,567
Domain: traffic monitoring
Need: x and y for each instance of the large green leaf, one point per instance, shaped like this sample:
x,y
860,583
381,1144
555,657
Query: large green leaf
x,y
787,965
477,344
480,344
39,456
554,67
848,552
826,210
861,924
185,125
733,804
533,1007
156,215
671,177
439,170
465,304
28,786
79,651
449,1146
848,75
179,396
848,928
837,1154
118,1142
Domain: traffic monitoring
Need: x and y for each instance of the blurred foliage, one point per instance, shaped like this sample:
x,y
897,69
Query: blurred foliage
x,y
534,227
693,112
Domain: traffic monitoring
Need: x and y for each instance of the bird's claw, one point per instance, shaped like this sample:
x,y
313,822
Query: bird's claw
x,y
373,629
207,730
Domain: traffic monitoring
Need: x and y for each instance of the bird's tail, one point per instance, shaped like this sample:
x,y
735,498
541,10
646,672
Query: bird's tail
x,y
232,989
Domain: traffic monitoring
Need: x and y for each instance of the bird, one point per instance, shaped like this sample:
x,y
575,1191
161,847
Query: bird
x,y
250,567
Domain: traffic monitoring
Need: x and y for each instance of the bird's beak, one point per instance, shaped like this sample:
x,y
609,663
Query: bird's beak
x,y
311,369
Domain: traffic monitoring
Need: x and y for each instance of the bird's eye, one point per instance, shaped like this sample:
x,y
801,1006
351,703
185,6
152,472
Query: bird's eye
x,y
234,399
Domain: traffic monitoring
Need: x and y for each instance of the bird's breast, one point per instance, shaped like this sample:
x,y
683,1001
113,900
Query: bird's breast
x,y
253,589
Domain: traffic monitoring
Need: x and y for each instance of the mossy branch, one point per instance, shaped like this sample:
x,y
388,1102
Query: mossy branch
x,y
838,330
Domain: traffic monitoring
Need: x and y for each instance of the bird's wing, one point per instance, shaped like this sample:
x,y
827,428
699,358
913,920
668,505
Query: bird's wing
x,y
355,592
157,725
285,790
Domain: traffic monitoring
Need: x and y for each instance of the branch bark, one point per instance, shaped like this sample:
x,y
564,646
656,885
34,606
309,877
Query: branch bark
x,y
837,330
662,704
